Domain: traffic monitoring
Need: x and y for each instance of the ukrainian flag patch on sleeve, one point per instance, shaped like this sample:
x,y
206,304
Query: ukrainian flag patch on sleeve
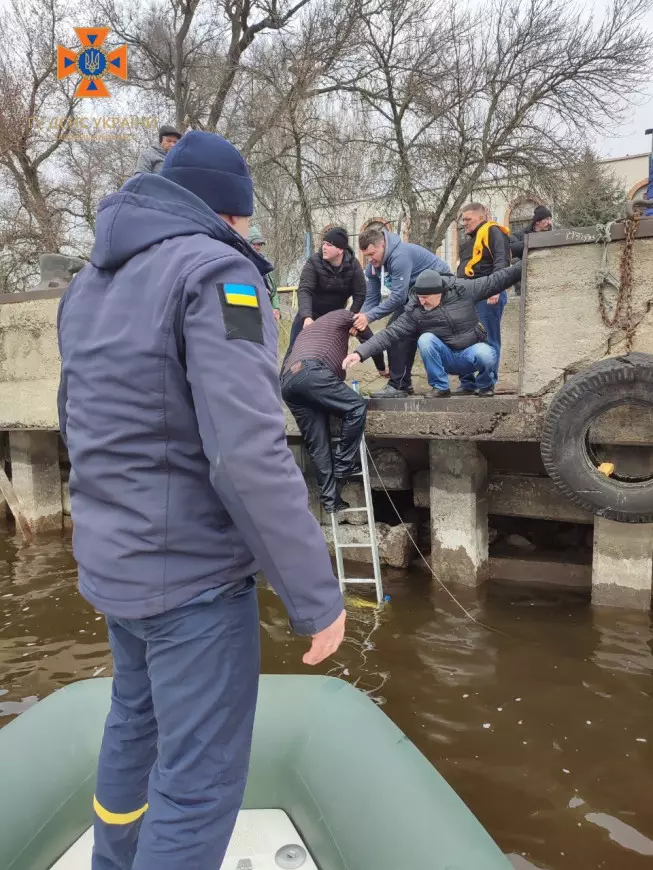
x,y
241,294
241,312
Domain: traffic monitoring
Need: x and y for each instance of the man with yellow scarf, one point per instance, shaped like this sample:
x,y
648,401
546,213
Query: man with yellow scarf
x,y
485,250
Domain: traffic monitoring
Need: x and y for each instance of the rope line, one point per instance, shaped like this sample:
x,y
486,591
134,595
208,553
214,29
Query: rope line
x,y
422,556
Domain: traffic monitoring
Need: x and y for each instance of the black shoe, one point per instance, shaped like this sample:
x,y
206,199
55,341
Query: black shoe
x,y
439,394
341,505
485,394
462,392
389,392
410,391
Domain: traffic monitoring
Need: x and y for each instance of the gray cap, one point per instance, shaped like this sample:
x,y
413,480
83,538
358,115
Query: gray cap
x,y
429,283
167,130
255,236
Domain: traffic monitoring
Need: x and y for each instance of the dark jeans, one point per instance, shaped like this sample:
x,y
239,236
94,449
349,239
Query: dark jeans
x,y
177,738
296,328
313,393
401,357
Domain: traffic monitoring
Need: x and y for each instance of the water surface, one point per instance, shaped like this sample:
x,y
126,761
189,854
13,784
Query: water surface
x,y
543,724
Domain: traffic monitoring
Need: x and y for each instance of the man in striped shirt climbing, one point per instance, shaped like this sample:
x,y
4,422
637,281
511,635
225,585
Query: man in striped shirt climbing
x,y
312,385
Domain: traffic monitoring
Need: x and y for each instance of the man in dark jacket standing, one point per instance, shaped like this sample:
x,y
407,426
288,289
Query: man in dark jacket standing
x,y
441,317
329,279
542,223
182,488
312,387
403,262
485,250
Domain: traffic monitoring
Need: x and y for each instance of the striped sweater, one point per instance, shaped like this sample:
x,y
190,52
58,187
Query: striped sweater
x,y
326,340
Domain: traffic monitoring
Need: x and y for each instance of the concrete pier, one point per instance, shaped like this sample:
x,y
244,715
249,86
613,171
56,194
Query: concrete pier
x,y
622,564
36,478
458,501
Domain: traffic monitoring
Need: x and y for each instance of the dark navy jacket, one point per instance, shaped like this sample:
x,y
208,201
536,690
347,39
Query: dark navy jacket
x,y
181,479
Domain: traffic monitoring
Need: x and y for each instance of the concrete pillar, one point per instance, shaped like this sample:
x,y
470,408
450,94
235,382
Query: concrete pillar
x,y
458,496
36,478
622,564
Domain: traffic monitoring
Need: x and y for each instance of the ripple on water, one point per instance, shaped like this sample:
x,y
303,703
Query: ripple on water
x,y
551,666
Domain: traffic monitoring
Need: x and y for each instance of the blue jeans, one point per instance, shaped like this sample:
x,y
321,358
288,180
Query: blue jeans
x,y
440,361
490,317
175,751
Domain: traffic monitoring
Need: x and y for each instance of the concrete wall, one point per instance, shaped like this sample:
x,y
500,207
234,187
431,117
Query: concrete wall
x,y
29,361
563,329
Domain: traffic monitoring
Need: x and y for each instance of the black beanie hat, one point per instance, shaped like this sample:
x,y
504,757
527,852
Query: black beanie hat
x,y
213,169
429,283
167,130
337,237
541,212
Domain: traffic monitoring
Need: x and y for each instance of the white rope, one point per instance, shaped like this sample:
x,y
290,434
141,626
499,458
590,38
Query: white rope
x,y
423,558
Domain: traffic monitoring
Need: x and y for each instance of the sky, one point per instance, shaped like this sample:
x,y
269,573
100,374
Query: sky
x,y
631,138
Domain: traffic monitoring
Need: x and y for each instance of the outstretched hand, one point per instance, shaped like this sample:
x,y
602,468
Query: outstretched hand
x,y
360,321
352,360
326,642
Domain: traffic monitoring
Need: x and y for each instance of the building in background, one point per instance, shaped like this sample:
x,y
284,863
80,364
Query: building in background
x,y
509,207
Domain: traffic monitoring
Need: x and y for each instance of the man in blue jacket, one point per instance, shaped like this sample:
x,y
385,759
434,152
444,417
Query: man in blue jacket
x,y
182,487
403,262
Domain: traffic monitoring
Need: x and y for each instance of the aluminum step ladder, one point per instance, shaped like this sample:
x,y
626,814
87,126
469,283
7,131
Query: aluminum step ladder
x,y
372,542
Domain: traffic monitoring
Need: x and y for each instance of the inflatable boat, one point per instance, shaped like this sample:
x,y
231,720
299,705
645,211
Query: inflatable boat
x,y
333,785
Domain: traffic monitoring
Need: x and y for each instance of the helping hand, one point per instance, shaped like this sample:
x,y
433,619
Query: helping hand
x,y
493,300
360,321
352,360
326,642
307,322
276,314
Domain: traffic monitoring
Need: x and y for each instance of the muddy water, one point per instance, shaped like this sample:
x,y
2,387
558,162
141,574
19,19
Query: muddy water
x,y
544,725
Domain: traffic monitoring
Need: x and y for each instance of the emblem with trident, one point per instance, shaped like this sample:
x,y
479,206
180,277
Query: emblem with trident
x,y
92,62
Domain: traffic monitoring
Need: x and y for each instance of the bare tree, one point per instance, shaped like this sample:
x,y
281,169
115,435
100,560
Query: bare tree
x,y
190,51
517,87
300,127
35,111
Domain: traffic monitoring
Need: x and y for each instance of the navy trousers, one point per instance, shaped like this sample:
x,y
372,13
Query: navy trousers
x,y
175,751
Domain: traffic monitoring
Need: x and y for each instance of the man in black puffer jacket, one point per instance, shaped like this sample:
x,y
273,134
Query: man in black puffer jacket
x,y
442,316
329,279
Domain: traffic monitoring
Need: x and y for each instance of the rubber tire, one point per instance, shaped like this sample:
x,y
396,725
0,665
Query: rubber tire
x,y
611,382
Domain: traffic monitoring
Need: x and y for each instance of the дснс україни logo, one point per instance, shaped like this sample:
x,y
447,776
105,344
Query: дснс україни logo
x,y
92,62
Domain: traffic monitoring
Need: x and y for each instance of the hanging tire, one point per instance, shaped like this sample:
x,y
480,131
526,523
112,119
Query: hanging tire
x,y
566,450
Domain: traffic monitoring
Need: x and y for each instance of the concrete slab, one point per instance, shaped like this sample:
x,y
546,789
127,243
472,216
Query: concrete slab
x,y
622,566
540,572
459,528
36,478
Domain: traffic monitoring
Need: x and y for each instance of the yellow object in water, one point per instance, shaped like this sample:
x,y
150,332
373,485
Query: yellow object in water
x,y
356,601
607,468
